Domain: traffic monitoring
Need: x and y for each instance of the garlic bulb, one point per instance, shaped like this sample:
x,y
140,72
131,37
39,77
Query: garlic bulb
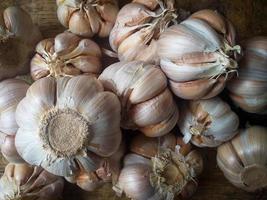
x,y
88,17
208,123
11,92
198,55
249,89
25,182
243,160
18,36
65,55
155,170
107,172
137,29
67,124
147,104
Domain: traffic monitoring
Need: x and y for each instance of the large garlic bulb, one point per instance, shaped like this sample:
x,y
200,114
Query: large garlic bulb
x,y
108,171
68,124
12,91
155,170
249,89
65,55
208,123
196,55
243,160
88,17
147,103
18,36
25,182
138,27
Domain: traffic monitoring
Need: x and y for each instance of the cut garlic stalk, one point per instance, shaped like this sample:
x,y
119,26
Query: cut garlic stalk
x,y
65,55
243,160
70,124
208,123
88,17
24,182
147,104
197,59
18,36
249,89
159,172
11,92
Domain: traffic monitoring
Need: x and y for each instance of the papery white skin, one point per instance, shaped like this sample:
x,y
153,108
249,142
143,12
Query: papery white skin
x,y
12,91
138,27
208,123
248,90
66,55
86,17
243,159
18,36
192,53
22,181
83,95
147,104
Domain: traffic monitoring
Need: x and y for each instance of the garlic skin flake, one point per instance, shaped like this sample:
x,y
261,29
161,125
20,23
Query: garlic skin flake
x,y
71,124
198,55
88,17
18,36
66,55
12,91
249,89
137,29
155,170
24,182
147,104
243,160
208,123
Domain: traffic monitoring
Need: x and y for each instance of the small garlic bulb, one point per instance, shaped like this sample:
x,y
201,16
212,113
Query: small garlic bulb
x,y
11,92
249,89
138,27
197,55
25,182
208,123
155,170
147,103
65,55
108,171
68,124
88,17
18,36
243,160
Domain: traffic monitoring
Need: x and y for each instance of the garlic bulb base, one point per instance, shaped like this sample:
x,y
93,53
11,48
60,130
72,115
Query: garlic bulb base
x,y
64,131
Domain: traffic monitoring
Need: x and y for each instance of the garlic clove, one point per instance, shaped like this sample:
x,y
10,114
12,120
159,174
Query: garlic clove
x,y
39,67
65,43
93,18
45,46
133,159
9,151
22,173
195,162
89,181
152,4
87,64
213,18
79,24
64,14
231,33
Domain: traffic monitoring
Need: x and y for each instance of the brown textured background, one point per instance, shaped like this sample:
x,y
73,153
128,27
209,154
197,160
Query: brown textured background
x,y
249,18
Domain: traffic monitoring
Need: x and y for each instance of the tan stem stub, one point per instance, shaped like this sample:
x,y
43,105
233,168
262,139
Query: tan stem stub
x,y
170,173
64,132
254,176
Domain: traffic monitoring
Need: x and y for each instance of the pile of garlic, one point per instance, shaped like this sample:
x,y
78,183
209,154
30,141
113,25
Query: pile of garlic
x,y
69,122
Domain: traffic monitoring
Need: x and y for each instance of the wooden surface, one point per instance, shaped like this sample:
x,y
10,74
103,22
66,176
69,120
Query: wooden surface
x,y
249,17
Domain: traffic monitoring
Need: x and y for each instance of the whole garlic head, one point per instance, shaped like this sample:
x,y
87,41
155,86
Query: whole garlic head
x,y
160,172
138,27
208,123
68,124
197,55
147,104
25,182
88,17
65,55
12,91
18,36
249,89
243,160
